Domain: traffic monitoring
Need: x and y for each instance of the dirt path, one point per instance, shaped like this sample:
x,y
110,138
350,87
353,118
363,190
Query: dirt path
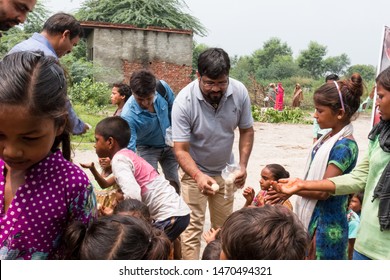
x,y
286,144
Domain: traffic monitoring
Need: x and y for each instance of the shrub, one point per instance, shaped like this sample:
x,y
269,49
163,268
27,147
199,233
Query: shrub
x,y
94,96
288,115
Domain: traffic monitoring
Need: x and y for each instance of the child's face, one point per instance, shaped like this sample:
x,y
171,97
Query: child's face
x,y
102,147
355,204
25,139
266,178
116,97
326,118
105,162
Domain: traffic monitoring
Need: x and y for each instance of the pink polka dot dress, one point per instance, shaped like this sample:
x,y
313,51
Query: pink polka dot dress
x,y
56,193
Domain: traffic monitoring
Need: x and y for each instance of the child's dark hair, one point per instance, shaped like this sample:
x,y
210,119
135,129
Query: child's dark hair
x,y
143,83
271,232
278,171
360,196
351,90
383,78
123,89
331,77
37,82
212,251
133,207
116,237
114,127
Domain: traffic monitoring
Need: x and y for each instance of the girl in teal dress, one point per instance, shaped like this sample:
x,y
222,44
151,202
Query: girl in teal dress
x,y
335,153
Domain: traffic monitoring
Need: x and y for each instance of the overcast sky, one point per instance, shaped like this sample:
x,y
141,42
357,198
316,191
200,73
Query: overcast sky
x,y
240,27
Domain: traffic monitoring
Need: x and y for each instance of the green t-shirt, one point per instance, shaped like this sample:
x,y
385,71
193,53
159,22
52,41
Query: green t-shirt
x,y
370,240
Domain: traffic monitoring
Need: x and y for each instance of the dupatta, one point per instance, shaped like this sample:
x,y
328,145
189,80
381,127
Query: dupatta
x,y
315,169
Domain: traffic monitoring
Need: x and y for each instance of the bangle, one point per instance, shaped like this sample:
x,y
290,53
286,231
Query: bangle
x,y
196,174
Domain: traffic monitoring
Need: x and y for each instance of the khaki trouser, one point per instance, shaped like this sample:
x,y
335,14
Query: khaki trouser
x,y
219,208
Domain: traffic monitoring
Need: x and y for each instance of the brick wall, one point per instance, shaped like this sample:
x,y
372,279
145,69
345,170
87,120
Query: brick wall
x,y
121,49
177,76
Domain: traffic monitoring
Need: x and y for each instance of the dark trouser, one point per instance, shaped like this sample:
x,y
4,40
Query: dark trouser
x,y
173,226
167,160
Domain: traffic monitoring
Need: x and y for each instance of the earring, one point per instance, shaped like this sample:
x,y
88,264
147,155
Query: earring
x,y
339,117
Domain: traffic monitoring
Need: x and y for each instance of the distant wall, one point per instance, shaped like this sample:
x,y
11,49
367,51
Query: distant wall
x,y
123,51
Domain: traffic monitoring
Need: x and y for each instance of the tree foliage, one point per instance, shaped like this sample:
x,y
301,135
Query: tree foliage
x,y
272,49
312,59
141,13
36,18
367,72
196,51
337,64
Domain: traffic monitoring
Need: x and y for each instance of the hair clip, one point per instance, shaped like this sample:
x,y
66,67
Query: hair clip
x,y
340,95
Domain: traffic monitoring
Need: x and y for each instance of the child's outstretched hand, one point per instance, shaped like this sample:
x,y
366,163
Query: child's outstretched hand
x,y
210,235
249,194
87,165
106,211
288,186
274,196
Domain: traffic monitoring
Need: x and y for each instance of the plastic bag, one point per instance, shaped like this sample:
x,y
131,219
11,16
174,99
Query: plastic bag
x,y
229,174
168,137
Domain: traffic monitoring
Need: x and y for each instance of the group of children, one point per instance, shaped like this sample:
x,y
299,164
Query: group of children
x,y
48,204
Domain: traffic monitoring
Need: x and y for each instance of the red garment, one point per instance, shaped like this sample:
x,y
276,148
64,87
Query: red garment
x,y
279,98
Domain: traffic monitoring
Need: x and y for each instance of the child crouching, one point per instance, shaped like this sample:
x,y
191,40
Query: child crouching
x,y
139,180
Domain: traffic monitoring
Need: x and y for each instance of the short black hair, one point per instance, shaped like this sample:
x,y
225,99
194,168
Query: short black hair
x,y
123,89
213,63
143,83
114,127
331,77
60,22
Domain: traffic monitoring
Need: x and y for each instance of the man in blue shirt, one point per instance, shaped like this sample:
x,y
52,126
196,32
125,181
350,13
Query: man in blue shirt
x,y
148,115
60,33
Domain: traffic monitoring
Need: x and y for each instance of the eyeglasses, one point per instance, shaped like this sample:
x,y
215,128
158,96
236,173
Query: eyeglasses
x,y
210,84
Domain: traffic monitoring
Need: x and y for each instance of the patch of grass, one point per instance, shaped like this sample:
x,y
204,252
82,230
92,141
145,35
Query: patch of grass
x,y
86,141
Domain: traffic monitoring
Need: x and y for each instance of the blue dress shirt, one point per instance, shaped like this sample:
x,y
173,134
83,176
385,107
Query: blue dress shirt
x,y
148,129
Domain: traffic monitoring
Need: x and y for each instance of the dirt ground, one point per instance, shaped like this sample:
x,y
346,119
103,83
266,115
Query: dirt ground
x,y
286,144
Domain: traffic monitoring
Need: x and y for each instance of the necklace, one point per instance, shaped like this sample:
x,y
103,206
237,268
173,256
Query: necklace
x,y
318,146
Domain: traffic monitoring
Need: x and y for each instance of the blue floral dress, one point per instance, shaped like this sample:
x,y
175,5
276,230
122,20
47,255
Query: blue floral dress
x,y
329,222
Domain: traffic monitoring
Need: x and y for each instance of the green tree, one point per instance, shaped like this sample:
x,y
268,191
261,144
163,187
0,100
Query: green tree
x,y
283,67
142,13
367,72
312,59
196,51
36,18
337,64
242,69
272,49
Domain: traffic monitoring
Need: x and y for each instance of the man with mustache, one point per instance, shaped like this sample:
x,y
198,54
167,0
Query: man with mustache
x,y
205,115
14,12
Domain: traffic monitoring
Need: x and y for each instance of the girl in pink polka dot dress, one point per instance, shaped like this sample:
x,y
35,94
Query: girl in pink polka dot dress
x,y
41,192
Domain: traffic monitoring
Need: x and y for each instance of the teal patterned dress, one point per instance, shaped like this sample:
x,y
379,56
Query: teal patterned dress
x,y
329,219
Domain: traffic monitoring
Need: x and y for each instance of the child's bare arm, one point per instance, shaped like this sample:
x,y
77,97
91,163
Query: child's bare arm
x,y
249,194
103,182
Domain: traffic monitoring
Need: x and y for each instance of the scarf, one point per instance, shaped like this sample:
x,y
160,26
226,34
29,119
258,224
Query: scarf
x,y
382,189
315,169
